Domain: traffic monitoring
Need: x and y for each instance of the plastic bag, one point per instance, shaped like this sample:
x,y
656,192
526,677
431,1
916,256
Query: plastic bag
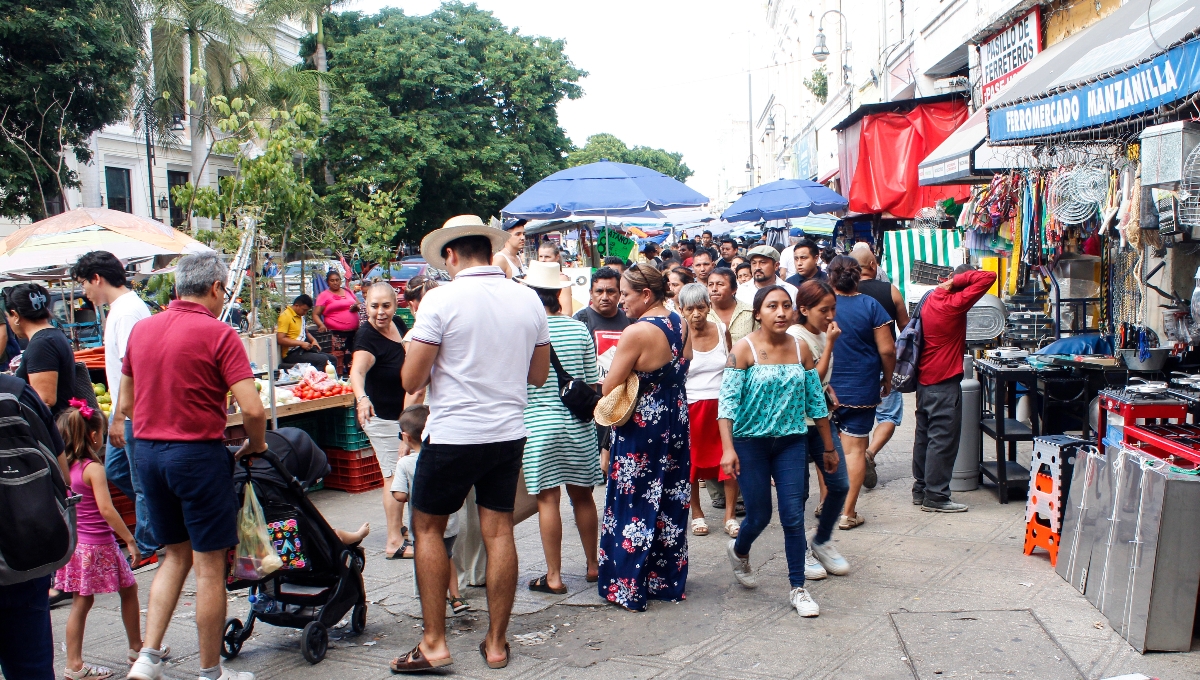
x,y
256,556
318,380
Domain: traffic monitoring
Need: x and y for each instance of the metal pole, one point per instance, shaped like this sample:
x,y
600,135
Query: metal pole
x,y
750,122
271,383
150,164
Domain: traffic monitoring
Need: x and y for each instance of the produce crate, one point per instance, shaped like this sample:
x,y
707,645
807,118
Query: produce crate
x,y
406,314
344,455
928,274
353,474
123,505
309,422
339,429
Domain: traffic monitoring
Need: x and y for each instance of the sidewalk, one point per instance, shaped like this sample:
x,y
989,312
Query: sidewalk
x,y
929,596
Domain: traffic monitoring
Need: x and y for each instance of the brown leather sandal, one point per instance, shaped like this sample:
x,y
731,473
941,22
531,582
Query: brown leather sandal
x,y
494,664
415,661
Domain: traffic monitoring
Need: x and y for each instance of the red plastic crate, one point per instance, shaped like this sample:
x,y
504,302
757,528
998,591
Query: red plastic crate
x,y
353,474
342,454
359,486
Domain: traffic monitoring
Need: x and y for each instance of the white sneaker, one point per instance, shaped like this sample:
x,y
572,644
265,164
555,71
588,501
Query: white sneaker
x,y
830,558
804,604
813,571
146,668
227,674
742,570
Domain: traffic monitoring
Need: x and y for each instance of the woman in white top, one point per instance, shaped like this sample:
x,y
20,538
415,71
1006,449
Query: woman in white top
x,y
816,304
677,278
710,349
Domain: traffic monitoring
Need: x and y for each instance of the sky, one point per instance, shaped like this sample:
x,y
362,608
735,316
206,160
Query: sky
x,y
667,74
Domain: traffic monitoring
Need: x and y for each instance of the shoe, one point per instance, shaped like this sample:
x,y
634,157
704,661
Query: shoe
x,y
944,506
88,672
146,561
739,509
457,604
813,571
166,654
918,499
146,667
719,503
227,674
742,570
804,604
732,528
699,527
62,596
872,477
830,558
846,522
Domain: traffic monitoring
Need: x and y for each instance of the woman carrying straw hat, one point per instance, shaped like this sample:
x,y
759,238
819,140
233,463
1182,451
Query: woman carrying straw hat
x,y
643,538
561,449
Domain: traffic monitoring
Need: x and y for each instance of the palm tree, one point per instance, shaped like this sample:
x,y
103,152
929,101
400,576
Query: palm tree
x,y
309,12
211,32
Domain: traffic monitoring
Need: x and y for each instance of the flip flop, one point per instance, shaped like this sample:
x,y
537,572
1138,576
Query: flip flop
x,y
415,662
541,585
593,579
494,664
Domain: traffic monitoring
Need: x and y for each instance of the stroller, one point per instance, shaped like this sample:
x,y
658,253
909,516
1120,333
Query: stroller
x,y
322,578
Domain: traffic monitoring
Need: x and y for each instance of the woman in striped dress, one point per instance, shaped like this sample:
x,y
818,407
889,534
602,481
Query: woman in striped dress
x,y
561,449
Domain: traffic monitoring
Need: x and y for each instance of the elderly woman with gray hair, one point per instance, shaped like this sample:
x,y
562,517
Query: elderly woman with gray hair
x,y
710,349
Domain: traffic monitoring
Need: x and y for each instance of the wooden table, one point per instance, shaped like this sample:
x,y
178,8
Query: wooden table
x,y
295,409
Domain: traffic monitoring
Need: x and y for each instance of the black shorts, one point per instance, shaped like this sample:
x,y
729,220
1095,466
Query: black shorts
x,y
446,473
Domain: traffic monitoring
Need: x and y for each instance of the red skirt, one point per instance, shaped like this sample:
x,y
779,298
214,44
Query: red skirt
x,y
706,441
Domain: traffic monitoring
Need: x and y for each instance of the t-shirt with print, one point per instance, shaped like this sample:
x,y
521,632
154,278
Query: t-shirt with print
x,y
123,313
605,330
406,472
856,362
49,350
382,383
486,327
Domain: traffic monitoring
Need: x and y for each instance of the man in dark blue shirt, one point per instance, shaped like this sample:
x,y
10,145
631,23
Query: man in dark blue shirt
x,y
808,262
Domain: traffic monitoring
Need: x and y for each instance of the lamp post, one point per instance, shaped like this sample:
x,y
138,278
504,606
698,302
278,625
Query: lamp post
x,y
821,50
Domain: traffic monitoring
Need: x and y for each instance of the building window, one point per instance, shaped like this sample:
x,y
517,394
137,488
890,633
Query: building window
x,y
176,179
120,190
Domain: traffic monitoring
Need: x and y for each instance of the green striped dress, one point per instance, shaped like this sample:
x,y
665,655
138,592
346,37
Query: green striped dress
x,y
561,449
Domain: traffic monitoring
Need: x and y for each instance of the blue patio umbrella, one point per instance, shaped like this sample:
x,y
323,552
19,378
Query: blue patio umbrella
x,y
783,199
600,190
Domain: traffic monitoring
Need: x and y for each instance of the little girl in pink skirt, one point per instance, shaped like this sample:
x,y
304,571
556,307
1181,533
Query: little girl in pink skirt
x,y
98,565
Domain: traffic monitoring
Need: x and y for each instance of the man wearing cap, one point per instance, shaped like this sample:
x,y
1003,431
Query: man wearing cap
x,y
509,258
476,344
764,260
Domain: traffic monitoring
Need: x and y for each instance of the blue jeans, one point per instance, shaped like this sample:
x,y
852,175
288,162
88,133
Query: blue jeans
x,y
26,639
121,470
786,460
837,484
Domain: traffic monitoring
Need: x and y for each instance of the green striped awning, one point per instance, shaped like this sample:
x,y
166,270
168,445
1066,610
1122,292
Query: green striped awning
x,y
901,248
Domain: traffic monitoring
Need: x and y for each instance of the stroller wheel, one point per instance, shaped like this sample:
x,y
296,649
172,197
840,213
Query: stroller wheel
x,y
231,641
314,641
358,618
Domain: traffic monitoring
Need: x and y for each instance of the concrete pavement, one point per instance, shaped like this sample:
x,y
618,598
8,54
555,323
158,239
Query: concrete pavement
x,y
928,596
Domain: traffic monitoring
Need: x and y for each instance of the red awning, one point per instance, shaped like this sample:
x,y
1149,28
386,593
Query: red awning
x,y
885,156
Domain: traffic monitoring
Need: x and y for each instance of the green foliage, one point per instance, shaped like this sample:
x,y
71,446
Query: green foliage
x,y
158,288
446,114
606,146
818,84
67,66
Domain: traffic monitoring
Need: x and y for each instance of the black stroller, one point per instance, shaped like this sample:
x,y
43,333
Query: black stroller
x,y
322,578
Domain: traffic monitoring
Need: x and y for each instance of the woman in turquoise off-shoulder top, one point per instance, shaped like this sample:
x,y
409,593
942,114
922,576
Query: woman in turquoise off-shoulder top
x,y
768,390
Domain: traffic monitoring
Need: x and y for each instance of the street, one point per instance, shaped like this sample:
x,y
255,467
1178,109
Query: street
x,y
929,596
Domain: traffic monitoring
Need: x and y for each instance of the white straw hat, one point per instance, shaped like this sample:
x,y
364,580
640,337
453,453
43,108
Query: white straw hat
x,y
545,275
456,228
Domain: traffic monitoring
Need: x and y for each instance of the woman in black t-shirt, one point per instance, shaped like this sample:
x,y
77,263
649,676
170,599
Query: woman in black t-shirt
x,y
379,395
48,363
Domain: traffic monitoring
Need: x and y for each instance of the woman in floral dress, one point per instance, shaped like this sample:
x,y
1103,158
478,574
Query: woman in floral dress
x,y
643,537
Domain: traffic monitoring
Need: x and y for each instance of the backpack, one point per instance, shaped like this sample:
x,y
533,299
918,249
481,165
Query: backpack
x,y
908,351
37,509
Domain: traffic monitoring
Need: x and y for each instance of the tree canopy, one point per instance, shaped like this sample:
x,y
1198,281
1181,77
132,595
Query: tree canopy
x,y
449,113
606,146
65,70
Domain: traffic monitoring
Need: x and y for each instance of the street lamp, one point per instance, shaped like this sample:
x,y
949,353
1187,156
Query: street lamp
x,y
821,50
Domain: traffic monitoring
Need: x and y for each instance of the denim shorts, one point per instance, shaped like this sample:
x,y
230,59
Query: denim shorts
x,y
856,422
891,409
188,488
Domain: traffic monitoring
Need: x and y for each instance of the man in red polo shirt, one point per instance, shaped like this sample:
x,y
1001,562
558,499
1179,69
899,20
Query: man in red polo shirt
x,y
939,388
178,367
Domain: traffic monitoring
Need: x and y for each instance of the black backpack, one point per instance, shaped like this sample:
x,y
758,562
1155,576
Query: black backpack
x,y
37,509
579,397
908,351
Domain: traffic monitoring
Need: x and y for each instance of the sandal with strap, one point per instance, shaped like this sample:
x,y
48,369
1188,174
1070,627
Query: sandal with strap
x,y
541,584
457,604
415,662
732,528
164,656
88,672
846,522
494,664
699,527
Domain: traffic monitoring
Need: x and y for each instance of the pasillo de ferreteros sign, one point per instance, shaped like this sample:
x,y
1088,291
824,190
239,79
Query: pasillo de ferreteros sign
x,y
1002,57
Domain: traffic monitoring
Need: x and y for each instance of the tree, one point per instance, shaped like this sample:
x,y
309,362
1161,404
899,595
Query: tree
x,y
818,85
312,13
448,113
67,68
606,146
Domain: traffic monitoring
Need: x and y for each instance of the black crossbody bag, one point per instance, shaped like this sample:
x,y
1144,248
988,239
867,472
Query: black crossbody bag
x,y
579,397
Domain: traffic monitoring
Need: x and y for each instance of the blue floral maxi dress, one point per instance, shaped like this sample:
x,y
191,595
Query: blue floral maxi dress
x,y
643,541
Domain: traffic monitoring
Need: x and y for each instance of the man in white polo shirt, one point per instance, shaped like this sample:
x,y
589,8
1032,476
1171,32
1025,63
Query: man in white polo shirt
x,y
476,343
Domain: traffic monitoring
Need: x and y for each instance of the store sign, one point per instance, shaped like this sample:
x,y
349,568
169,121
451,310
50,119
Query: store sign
x,y
804,151
1002,57
1162,80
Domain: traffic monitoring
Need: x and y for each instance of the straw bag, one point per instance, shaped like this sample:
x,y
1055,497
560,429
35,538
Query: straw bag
x,y
615,408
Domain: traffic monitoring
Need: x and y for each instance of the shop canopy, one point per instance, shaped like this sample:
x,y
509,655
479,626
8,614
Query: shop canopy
x,y
881,145
59,241
1142,56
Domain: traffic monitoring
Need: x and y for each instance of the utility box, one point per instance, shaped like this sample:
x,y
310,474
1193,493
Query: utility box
x,y
1164,153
